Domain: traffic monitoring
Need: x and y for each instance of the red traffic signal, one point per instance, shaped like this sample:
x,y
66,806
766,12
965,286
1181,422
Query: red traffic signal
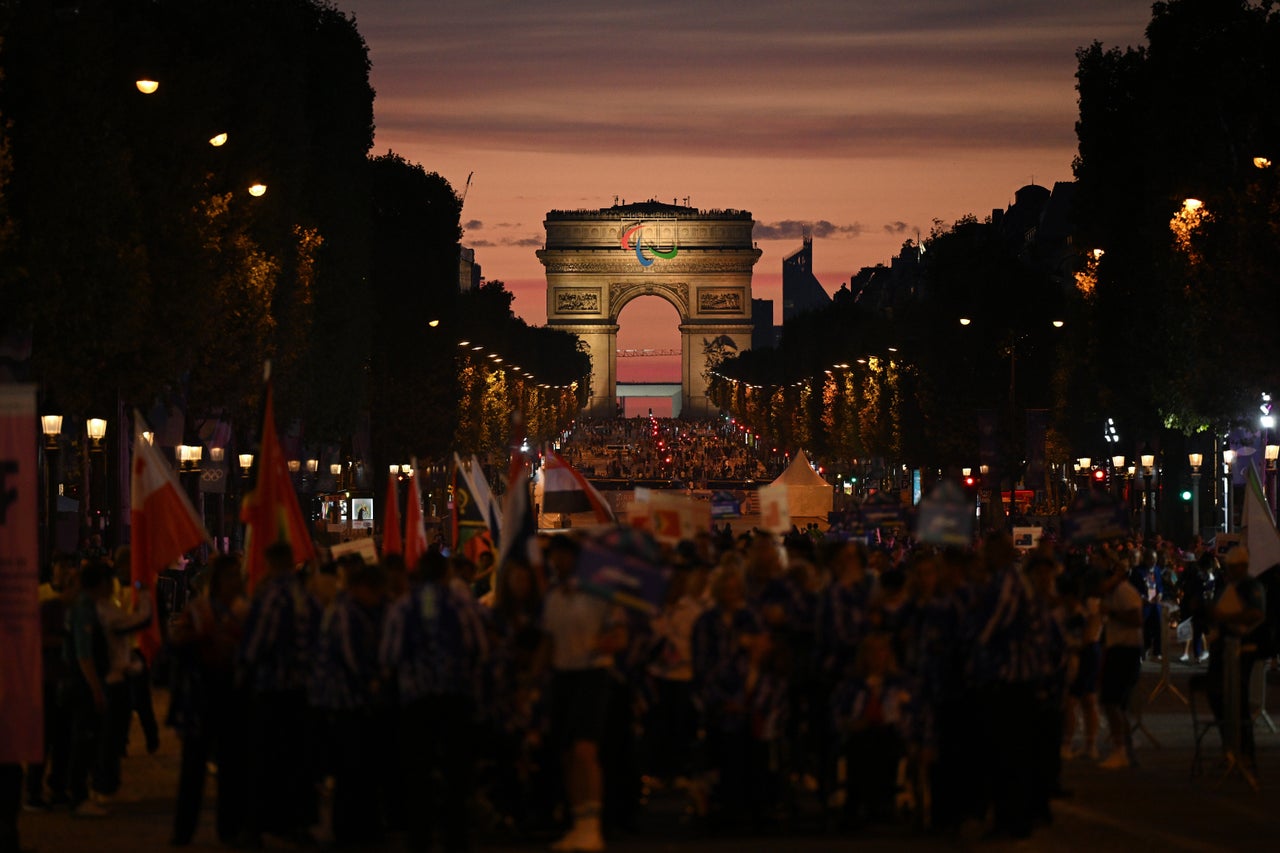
x,y
1099,475
969,481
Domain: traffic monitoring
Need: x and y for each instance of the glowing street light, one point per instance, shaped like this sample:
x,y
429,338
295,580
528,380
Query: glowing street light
x,y
257,190
218,140
147,87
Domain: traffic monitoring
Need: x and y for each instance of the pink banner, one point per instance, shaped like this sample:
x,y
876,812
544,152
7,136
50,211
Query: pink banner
x,y
21,735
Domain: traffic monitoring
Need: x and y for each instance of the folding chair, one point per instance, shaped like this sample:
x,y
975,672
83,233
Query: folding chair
x,y
1202,719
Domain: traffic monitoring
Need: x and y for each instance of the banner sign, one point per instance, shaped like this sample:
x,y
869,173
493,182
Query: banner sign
x,y
1094,516
946,516
882,510
21,695
725,505
775,513
624,579
676,517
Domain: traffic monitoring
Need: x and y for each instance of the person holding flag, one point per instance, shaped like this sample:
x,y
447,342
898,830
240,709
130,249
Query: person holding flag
x,y
273,655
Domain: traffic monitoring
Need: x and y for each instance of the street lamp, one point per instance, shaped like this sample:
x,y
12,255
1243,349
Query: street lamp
x,y
96,429
1271,453
1148,502
1196,460
257,190
51,426
246,462
147,87
1228,459
1117,474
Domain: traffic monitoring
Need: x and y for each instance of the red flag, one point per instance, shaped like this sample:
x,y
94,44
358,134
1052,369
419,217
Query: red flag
x,y
415,531
391,541
270,512
163,522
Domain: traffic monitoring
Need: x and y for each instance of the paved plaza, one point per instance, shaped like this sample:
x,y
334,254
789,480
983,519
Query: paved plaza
x,y
1154,806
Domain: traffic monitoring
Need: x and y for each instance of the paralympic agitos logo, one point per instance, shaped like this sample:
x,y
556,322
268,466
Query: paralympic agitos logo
x,y
633,238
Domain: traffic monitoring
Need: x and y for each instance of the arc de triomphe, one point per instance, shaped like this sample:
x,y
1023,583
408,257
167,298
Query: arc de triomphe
x,y
700,261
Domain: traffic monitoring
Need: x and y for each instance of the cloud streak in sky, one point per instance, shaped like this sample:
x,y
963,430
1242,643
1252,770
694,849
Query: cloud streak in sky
x,y
791,229
845,77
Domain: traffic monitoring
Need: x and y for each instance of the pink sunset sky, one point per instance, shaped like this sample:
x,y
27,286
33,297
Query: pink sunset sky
x,y
863,121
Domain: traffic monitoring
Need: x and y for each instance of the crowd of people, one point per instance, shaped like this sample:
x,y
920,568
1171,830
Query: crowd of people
x,y
688,451
782,680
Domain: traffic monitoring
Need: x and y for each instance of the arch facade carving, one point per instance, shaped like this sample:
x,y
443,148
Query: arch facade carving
x,y
700,261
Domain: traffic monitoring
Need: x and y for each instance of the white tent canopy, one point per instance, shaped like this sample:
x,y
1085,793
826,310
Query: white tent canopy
x,y
808,495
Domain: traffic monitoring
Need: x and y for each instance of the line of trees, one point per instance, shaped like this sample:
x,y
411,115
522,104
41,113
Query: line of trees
x,y
1169,308
138,267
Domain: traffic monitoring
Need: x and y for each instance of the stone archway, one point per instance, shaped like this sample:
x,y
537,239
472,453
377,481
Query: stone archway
x,y
699,261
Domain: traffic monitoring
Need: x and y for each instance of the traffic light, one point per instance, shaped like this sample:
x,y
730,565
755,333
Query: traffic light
x,y
1099,476
1185,495
969,482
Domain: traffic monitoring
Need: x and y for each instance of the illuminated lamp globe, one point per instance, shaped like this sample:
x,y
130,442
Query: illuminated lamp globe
x,y
258,190
218,140
147,87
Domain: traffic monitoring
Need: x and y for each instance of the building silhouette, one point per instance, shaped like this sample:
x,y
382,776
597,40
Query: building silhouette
x,y
801,290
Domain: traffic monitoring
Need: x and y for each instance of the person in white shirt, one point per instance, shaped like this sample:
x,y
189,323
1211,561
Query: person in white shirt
x,y
583,631
1121,659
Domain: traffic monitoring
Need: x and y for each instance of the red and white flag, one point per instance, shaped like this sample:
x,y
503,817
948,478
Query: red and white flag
x,y
164,524
415,529
565,490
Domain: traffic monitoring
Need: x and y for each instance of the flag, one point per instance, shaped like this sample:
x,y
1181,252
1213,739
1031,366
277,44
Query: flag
x,y
1259,530
270,512
471,533
484,506
415,528
564,489
164,524
391,541
517,527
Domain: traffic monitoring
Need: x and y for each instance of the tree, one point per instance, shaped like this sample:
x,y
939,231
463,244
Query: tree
x,y
1190,289
146,268
414,383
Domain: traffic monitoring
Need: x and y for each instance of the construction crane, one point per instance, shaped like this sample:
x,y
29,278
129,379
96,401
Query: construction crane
x,y
465,189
